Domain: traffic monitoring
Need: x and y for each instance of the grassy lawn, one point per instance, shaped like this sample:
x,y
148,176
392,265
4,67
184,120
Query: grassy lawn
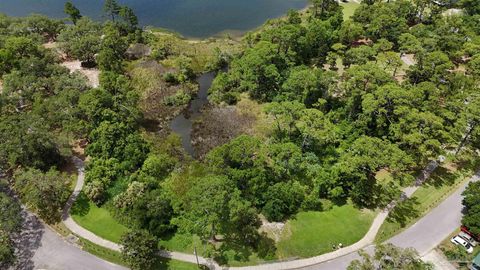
x,y
314,233
308,234
441,184
186,243
97,220
183,243
349,8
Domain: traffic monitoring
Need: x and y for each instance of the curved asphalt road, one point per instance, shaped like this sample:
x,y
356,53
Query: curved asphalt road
x,y
424,235
50,251
54,253
39,247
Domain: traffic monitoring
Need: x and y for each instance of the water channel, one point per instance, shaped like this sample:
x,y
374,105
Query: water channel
x,y
182,123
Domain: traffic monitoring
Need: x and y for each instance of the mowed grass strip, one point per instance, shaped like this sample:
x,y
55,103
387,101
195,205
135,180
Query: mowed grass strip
x,y
314,233
116,257
97,220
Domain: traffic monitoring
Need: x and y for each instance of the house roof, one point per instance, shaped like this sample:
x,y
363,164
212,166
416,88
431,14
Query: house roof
x,y
476,260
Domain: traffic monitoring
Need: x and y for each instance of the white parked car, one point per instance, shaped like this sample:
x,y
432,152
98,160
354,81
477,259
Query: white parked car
x,y
457,240
467,237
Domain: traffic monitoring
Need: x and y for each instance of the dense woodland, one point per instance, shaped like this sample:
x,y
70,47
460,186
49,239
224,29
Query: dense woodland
x,y
340,103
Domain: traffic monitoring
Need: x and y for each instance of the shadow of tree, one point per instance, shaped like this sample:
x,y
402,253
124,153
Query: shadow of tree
x,y
440,177
27,241
264,247
404,211
229,251
81,206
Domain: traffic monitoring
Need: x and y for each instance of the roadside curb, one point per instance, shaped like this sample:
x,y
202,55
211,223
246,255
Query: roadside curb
x,y
368,238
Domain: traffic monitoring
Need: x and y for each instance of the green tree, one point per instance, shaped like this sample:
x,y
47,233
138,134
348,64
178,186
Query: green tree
x,y
305,85
472,7
469,125
473,66
359,164
7,250
320,37
471,201
409,43
10,217
111,8
240,161
112,50
360,80
26,141
93,103
46,192
154,212
10,223
285,116
213,206
259,70
44,26
158,166
14,49
432,67
282,200
118,140
324,9
129,19
139,249
388,256
420,133
82,40
350,31
390,61
72,11
359,55
472,219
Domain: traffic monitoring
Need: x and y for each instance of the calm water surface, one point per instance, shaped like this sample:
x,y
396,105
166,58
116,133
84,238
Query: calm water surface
x,y
182,124
192,18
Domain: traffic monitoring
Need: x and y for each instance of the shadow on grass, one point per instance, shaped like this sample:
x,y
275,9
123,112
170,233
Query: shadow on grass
x,y
441,177
404,211
230,251
81,207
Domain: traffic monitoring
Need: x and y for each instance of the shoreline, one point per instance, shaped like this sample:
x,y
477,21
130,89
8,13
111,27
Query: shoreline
x,y
236,34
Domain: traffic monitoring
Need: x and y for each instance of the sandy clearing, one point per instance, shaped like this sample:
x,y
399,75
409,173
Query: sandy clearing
x,y
92,74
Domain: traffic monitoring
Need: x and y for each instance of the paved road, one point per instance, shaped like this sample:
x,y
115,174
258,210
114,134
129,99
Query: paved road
x,y
437,225
39,247
424,235
55,254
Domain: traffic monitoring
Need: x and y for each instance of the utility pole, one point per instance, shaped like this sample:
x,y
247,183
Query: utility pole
x,y
196,256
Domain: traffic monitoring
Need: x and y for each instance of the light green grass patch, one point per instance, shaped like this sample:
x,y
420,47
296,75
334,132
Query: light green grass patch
x,y
183,243
349,8
314,233
97,220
